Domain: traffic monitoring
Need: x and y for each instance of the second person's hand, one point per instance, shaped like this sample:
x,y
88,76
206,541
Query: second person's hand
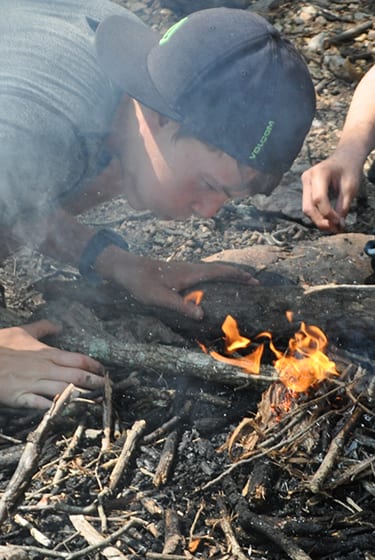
x,y
32,373
336,173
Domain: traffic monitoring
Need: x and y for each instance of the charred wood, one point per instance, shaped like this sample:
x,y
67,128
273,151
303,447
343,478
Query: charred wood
x,y
250,521
172,538
166,459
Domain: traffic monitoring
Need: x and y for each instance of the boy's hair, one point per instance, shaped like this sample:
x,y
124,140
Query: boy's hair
x,y
226,75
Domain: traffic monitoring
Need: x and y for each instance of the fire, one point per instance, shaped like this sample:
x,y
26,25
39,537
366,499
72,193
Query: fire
x,y
303,365
196,296
250,363
234,341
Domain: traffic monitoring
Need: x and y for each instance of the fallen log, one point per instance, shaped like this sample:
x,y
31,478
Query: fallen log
x,y
159,358
346,314
324,283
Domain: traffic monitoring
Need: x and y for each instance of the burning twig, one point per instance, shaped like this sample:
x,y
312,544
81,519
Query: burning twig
x,y
29,459
169,360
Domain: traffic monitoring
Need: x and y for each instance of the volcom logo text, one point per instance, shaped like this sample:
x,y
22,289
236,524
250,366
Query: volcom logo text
x,y
263,140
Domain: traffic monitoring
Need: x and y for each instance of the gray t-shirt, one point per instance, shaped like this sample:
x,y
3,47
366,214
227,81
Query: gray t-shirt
x,y
56,105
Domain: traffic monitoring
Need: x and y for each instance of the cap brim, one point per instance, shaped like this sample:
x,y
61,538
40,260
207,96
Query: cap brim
x,y
122,46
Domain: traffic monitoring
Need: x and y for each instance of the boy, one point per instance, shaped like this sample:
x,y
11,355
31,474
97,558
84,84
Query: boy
x,y
217,108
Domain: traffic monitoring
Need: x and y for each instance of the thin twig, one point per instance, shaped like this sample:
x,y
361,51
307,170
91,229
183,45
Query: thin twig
x,y
131,438
29,459
172,537
232,543
34,532
68,454
166,459
93,537
107,414
316,482
259,455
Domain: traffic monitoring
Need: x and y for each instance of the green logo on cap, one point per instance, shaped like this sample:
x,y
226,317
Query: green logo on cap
x,y
258,148
168,34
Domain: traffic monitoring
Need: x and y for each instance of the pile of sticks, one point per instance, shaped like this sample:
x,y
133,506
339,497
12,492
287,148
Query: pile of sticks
x,y
90,480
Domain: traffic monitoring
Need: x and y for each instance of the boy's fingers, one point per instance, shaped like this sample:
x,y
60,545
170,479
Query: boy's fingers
x,y
218,271
30,400
171,299
75,360
80,377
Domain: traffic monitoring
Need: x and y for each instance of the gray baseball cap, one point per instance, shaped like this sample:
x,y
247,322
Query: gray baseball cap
x,y
227,75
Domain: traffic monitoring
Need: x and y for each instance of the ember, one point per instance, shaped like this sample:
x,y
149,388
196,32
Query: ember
x,y
195,296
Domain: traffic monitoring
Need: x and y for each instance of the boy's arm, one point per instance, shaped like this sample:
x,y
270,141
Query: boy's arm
x,y
342,170
152,282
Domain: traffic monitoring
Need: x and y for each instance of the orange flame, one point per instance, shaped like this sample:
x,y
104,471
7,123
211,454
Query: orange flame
x,y
250,363
303,365
196,296
233,340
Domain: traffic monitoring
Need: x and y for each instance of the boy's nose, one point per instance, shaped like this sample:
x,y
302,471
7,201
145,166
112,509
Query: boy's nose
x,y
209,206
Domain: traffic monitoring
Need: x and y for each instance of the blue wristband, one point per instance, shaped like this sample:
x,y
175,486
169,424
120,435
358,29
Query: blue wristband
x,y
94,247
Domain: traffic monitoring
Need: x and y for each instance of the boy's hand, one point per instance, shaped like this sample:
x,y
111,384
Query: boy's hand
x,y
154,282
32,373
338,173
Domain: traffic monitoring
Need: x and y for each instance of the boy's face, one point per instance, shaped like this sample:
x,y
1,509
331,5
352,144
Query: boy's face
x,y
179,178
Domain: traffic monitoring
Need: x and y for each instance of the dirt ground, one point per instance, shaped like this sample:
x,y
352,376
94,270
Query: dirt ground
x,y
331,523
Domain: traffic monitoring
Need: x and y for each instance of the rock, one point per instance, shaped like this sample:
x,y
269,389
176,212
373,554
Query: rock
x,y
342,68
317,43
331,258
307,13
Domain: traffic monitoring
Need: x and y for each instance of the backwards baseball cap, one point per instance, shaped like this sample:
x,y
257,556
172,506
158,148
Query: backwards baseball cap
x,y
226,75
